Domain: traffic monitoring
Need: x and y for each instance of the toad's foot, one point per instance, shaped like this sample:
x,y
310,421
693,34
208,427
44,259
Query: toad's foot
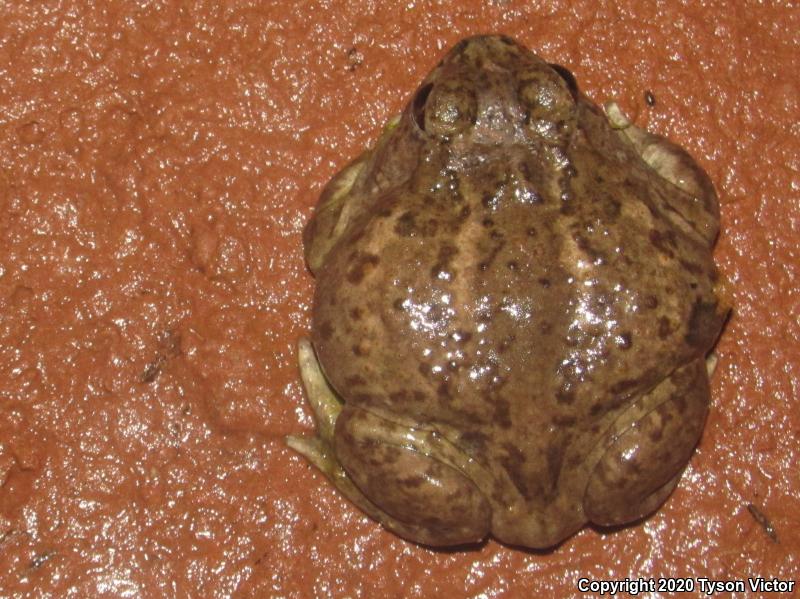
x,y
418,513
319,449
327,407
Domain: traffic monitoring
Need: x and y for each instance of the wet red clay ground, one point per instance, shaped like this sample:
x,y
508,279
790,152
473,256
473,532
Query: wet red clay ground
x,y
157,164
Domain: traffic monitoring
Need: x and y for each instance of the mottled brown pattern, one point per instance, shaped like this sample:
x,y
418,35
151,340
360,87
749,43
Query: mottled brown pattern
x,y
704,324
360,266
533,291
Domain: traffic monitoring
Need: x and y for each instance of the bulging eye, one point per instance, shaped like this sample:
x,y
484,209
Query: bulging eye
x,y
549,97
568,78
444,109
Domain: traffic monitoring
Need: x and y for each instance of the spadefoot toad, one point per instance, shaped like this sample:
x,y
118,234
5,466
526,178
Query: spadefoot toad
x,y
515,297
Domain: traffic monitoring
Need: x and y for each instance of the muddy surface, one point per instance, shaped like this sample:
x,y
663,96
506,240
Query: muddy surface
x,y
157,165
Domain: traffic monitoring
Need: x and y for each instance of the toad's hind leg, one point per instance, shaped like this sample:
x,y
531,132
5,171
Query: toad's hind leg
x,y
648,448
696,203
387,469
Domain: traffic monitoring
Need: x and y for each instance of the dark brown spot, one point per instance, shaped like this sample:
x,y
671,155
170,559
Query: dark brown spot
x,y
361,267
356,313
586,247
405,226
624,340
502,412
474,440
506,343
656,434
624,386
531,232
544,282
704,324
603,407
661,242
565,395
487,262
409,225
443,391
463,213
359,350
664,327
412,482
651,302
554,455
679,399
399,397
345,436
487,222
424,369
564,420
512,265
356,236
398,304
693,268
567,208
377,456
650,207
462,336
354,381
612,209
649,98
325,330
445,256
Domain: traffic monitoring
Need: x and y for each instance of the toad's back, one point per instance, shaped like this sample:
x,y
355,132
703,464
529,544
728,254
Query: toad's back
x,y
505,269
